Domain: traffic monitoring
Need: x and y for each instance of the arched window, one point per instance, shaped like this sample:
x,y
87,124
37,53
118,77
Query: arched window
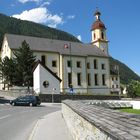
x,y
102,35
94,36
43,59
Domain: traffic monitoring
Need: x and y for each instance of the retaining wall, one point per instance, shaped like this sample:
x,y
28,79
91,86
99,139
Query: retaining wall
x,y
90,122
60,97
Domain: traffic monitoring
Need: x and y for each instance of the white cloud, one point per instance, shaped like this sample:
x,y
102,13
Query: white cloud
x,y
24,1
45,3
71,17
79,37
40,15
54,20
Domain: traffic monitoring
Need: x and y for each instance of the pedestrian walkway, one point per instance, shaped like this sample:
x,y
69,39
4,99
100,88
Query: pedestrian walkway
x,y
51,127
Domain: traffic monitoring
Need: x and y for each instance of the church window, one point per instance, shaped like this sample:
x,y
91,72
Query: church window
x,y
68,63
103,66
102,35
89,79
43,59
54,63
96,79
79,79
69,79
103,79
78,64
94,36
95,64
88,65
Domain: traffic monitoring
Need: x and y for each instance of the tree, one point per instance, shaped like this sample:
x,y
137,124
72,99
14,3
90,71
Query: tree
x,y
7,68
133,89
24,59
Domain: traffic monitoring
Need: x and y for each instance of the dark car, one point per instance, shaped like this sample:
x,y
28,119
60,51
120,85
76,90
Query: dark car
x,y
26,100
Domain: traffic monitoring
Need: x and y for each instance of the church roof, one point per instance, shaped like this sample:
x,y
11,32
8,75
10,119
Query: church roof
x,y
45,67
98,24
51,45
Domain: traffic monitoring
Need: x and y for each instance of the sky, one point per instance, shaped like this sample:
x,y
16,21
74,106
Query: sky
x,y
121,18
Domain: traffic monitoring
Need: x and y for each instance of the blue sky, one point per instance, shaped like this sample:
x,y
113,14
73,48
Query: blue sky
x,y
121,17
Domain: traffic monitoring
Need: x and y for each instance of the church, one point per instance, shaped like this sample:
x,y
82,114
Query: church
x,y
65,66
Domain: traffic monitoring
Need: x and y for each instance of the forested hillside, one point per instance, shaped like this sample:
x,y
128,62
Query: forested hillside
x,y
125,72
16,26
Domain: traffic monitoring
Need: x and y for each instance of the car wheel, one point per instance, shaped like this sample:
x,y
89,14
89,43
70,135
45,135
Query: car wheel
x,y
31,104
13,104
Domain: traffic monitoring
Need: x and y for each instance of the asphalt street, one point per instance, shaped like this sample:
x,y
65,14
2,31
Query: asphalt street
x,y
17,122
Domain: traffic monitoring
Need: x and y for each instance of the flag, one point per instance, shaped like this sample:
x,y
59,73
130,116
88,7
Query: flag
x,y
66,46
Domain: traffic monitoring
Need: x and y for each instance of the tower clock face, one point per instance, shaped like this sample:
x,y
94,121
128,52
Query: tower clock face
x,y
103,47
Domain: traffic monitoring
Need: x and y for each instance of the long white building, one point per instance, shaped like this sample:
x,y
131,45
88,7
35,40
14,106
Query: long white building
x,y
84,67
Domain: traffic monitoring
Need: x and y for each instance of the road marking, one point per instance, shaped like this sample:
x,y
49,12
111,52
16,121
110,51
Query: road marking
x,y
3,117
34,130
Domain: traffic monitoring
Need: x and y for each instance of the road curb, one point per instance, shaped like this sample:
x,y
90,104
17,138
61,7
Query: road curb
x,y
34,130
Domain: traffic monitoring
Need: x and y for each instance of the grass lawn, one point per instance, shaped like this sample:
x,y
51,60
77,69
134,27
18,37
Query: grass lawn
x,y
135,111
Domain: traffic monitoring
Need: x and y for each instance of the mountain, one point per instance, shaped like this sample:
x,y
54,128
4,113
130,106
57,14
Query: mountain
x,y
17,26
126,74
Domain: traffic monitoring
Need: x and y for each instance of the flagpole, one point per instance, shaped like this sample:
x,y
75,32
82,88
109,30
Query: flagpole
x,y
70,64
71,86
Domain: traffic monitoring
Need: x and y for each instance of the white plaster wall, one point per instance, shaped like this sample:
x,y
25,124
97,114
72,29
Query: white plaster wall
x,y
99,91
50,56
5,50
53,82
36,80
61,73
98,34
62,70
115,83
83,70
75,70
100,88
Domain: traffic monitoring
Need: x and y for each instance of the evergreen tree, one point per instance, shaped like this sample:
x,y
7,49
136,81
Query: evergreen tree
x,y
24,65
7,68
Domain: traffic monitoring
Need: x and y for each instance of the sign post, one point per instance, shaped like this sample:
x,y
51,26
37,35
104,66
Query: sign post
x,y
54,89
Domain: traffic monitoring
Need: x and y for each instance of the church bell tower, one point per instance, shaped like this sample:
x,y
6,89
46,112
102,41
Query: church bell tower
x,y
98,32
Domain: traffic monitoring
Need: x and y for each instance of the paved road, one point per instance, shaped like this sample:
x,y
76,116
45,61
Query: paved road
x,y
16,123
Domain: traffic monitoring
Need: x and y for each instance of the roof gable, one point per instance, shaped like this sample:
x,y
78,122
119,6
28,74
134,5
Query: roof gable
x,y
45,67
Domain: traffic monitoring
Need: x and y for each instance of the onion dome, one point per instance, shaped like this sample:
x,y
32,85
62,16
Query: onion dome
x,y
98,24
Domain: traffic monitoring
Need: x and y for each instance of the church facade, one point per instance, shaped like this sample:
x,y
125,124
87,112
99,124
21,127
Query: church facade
x,y
82,68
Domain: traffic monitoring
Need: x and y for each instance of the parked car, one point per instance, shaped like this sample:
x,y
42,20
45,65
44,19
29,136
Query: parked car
x,y
30,100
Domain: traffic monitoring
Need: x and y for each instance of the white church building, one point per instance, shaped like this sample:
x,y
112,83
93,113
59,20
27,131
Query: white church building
x,y
66,66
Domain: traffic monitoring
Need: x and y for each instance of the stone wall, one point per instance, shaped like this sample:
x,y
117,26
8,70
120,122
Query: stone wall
x,y
90,122
60,97
11,94
80,128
